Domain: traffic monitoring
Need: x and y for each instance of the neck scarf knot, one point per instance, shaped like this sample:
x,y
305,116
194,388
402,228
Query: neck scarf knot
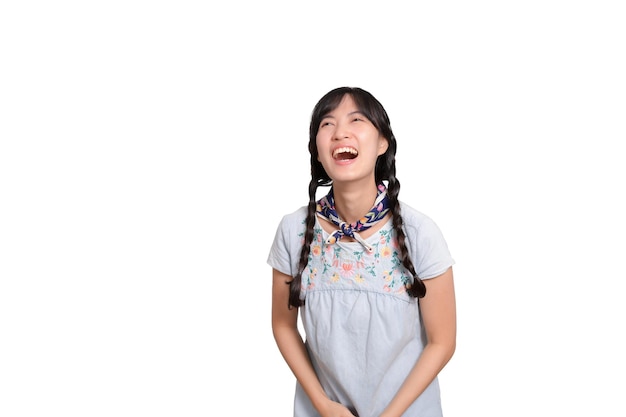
x,y
326,210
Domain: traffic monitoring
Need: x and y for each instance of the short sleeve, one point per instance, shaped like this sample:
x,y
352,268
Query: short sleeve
x,y
427,245
285,249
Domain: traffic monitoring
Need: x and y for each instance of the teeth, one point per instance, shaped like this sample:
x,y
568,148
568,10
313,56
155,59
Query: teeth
x,y
344,150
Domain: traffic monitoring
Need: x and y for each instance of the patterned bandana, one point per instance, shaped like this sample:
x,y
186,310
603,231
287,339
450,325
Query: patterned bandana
x,y
326,210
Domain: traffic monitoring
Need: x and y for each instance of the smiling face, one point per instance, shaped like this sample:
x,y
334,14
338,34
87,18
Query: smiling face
x,y
348,144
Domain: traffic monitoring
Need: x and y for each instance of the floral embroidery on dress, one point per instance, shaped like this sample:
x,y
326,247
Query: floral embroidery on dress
x,y
337,265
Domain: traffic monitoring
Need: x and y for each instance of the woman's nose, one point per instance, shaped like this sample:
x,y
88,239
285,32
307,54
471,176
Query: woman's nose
x,y
341,132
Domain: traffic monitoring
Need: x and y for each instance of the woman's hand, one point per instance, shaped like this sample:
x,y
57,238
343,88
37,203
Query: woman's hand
x,y
334,409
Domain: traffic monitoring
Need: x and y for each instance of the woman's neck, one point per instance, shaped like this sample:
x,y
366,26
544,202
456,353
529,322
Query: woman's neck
x,y
353,202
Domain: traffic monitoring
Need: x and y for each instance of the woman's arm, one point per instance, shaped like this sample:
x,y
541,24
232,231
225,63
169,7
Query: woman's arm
x,y
438,309
291,346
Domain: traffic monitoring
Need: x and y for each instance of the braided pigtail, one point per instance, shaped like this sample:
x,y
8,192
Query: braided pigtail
x,y
295,284
417,288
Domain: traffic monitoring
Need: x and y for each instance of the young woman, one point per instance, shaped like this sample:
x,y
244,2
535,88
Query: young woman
x,y
370,276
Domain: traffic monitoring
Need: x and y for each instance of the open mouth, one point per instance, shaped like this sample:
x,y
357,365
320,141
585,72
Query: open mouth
x,y
345,153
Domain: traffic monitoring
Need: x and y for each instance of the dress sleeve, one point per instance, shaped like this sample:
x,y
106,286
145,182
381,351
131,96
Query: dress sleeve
x,y
428,247
287,244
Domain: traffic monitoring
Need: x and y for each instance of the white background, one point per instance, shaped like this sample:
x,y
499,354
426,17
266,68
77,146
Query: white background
x,y
149,149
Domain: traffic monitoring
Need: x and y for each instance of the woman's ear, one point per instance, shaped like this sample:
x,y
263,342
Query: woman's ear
x,y
383,145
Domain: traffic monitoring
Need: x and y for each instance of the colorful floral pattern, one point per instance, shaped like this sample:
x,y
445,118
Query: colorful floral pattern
x,y
347,265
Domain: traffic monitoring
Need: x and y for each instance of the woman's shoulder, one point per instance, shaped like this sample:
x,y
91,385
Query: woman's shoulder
x,y
295,216
418,223
412,216
294,219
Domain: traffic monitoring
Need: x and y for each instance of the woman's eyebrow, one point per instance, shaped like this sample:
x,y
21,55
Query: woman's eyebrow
x,y
352,113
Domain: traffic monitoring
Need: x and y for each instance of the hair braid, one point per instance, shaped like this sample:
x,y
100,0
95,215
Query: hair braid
x,y
417,288
296,283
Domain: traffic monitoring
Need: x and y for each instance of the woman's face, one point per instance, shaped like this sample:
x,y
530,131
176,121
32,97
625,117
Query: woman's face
x,y
348,144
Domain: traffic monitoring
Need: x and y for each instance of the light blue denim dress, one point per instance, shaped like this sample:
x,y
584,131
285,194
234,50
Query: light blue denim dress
x,y
362,330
